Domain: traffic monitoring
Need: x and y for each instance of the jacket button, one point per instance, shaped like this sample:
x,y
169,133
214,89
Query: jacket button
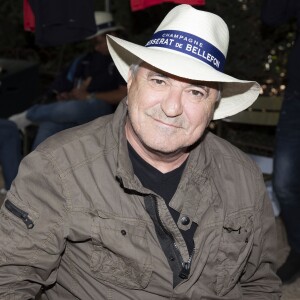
x,y
123,232
185,220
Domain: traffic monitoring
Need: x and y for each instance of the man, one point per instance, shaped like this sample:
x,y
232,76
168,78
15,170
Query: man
x,y
287,146
145,204
90,87
10,152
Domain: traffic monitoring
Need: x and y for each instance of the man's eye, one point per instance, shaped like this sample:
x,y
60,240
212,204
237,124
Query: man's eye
x,y
158,81
198,93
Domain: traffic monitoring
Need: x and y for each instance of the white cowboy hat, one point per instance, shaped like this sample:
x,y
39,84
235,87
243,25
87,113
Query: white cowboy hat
x,y
105,23
191,44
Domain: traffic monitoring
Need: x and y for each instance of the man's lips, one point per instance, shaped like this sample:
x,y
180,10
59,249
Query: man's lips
x,y
167,123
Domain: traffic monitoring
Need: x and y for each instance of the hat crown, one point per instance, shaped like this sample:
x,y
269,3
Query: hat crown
x,y
204,25
105,23
103,17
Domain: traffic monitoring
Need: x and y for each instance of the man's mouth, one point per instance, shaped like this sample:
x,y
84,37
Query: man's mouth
x,y
166,123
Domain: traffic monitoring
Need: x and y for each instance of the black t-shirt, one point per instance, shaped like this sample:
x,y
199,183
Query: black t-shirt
x,y
163,184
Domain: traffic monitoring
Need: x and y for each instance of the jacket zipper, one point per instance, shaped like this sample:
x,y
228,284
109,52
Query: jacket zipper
x,y
23,215
186,266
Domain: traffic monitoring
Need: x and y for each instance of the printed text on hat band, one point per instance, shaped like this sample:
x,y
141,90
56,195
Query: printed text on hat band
x,y
189,44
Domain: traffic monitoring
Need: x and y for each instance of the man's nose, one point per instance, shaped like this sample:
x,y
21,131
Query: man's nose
x,y
172,103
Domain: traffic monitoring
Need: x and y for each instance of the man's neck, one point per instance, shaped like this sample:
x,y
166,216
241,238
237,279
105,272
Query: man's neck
x,y
164,162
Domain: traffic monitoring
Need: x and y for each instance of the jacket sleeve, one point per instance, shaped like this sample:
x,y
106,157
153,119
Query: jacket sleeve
x,y
259,280
33,229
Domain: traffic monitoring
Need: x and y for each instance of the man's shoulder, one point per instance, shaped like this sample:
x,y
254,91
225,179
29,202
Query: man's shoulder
x,y
234,174
226,153
79,143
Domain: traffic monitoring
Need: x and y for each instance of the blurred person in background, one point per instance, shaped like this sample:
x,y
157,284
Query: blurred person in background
x,y
286,172
88,88
10,152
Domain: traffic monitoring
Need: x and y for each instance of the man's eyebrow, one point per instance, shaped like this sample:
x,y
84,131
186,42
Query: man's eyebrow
x,y
155,73
200,85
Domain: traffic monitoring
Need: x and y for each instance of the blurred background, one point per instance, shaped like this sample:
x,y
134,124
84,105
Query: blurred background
x,y
255,52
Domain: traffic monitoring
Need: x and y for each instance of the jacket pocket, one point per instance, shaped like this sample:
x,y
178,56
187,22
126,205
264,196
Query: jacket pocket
x,y
120,252
234,250
19,213
16,222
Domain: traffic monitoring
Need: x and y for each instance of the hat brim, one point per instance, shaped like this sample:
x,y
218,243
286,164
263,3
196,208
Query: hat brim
x,y
106,30
236,96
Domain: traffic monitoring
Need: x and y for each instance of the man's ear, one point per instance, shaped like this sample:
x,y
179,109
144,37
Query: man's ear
x,y
129,82
129,79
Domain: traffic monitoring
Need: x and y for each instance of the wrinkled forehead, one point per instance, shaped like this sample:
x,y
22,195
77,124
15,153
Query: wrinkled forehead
x,y
145,68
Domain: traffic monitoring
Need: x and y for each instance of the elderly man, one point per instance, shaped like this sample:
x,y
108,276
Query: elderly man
x,y
145,204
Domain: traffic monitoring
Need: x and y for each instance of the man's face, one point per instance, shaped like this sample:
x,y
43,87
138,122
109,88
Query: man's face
x,y
166,113
100,44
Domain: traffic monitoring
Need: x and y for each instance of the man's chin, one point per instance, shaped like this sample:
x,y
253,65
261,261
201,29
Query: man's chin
x,y
164,150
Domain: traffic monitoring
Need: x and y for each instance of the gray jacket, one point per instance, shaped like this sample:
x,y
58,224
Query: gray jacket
x,y
75,223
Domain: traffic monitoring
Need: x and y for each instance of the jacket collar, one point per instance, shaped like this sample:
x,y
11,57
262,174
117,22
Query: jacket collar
x,y
196,191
